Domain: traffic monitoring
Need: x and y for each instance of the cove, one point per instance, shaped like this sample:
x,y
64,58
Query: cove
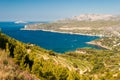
x,y
58,42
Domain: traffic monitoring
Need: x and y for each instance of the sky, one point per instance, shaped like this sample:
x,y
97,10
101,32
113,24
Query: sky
x,y
50,10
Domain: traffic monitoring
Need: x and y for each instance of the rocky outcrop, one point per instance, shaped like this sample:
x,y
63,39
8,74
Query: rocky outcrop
x,y
93,17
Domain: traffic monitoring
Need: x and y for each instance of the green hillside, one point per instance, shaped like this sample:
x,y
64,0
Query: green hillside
x,y
82,64
10,71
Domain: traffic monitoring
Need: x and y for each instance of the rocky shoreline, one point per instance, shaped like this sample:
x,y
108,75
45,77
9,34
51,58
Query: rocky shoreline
x,y
90,43
98,44
62,32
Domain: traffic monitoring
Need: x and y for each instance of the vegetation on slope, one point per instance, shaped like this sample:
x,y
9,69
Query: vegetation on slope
x,y
10,71
111,43
105,63
82,64
36,60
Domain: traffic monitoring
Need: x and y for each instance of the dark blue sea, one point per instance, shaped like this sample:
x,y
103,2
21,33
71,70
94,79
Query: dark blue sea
x,y
57,42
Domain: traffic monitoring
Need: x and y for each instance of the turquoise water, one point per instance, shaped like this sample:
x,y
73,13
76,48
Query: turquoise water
x,y
57,42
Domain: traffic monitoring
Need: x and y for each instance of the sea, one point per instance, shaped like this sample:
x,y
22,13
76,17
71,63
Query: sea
x,y
58,42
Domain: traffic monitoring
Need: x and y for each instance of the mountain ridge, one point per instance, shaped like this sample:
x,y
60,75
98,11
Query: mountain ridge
x,y
93,17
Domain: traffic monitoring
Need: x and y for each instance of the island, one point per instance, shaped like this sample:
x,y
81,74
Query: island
x,y
19,22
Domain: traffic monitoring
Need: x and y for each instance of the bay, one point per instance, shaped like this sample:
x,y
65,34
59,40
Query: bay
x,y
58,42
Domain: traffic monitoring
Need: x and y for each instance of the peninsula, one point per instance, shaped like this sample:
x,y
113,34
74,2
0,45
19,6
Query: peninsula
x,y
103,25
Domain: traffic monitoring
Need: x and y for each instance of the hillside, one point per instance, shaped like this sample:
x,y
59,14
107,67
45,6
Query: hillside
x,y
10,71
95,17
82,64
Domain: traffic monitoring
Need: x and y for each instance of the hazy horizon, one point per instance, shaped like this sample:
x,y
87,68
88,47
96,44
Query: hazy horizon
x,y
51,10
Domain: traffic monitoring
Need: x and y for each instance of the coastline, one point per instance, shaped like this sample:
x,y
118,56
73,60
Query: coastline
x,y
90,43
98,44
62,32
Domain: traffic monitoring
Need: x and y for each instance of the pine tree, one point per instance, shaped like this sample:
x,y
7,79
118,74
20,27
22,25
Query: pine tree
x,y
0,31
19,52
7,48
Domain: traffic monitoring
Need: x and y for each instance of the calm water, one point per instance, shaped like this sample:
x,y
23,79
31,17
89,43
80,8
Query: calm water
x,y
48,40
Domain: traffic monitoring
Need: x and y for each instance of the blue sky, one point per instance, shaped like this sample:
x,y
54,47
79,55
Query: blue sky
x,y
50,10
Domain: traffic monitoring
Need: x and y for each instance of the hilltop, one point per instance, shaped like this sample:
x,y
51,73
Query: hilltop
x,y
93,17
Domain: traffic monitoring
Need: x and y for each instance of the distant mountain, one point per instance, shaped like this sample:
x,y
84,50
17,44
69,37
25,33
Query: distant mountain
x,y
94,17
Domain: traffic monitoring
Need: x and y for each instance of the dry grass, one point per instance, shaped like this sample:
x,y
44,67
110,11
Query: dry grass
x,y
10,71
